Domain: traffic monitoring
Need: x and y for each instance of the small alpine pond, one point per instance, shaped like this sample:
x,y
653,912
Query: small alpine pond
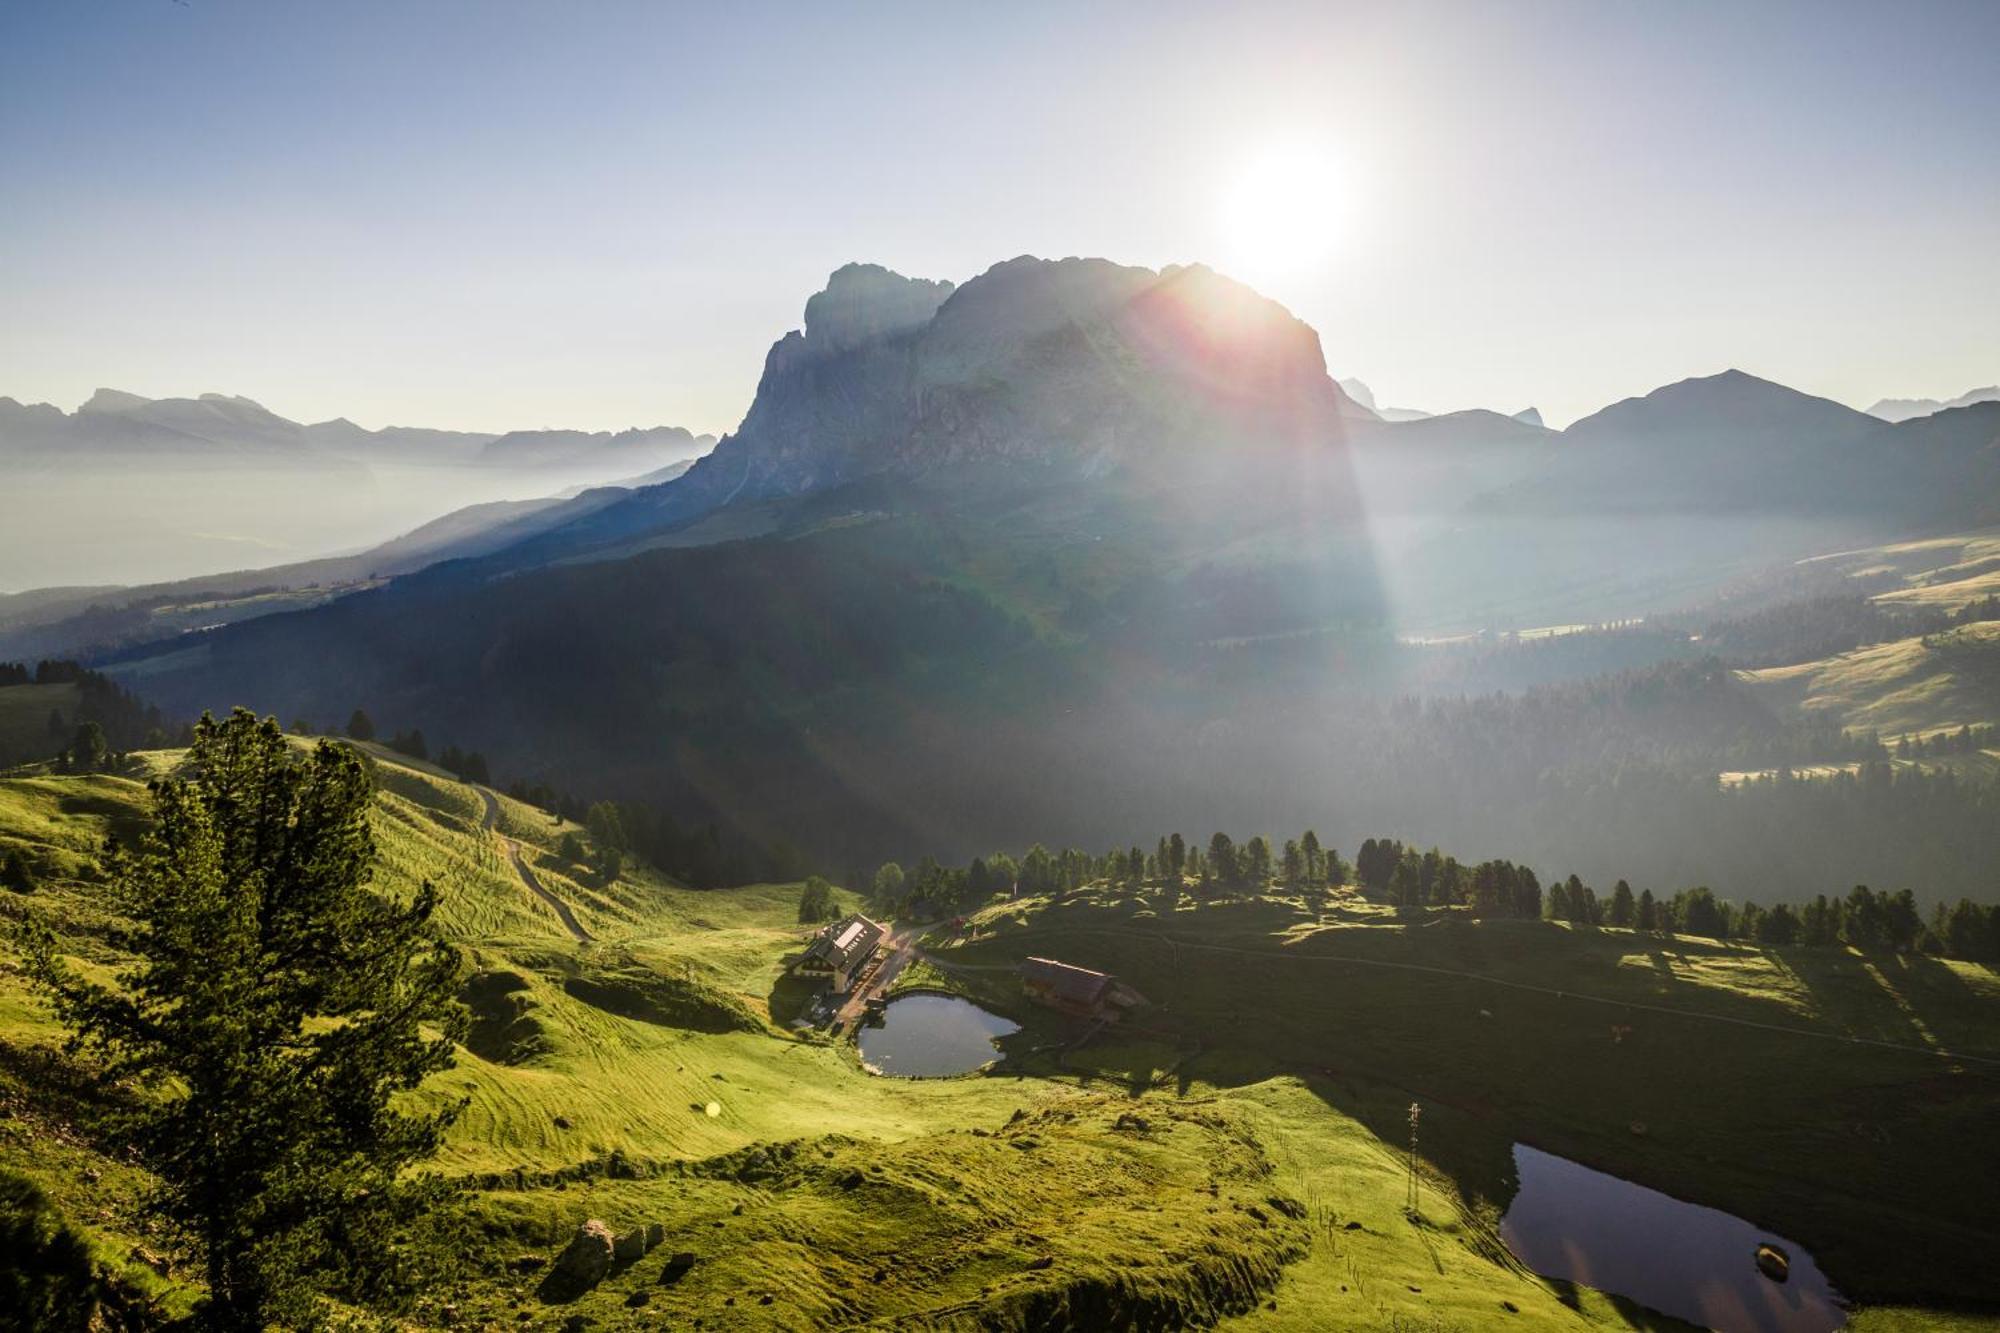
x,y
1694,1263
926,1036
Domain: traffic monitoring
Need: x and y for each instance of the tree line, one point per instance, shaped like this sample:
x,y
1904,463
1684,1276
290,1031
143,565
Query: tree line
x,y
1413,880
1220,866
106,721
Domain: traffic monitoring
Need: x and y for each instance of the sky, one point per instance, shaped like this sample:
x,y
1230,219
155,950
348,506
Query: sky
x,y
496,215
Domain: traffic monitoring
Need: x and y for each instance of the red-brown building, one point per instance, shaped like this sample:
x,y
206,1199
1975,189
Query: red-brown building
x,y
1076,990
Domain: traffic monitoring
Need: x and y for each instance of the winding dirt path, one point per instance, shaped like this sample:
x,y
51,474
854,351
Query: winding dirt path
x,y
562,909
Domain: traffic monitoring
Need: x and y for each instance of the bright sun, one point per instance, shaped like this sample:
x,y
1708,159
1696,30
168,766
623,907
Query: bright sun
x,y
1284,213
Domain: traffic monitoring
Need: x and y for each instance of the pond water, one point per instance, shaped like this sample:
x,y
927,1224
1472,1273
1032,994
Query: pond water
x,y
1695,1263
924,1036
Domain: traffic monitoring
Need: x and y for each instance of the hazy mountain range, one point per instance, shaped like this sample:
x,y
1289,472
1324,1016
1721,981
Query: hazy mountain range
x,y
1365,397
129,489
1903,409
1070,549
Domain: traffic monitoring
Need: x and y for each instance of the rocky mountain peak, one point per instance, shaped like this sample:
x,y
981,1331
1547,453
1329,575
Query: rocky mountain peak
x,y
113,400
863,303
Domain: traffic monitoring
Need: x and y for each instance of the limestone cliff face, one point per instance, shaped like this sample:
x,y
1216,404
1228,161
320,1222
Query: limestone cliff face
x,y
864,303
1074,363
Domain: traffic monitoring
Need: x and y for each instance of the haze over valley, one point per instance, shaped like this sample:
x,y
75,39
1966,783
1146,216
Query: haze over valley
x,y
130,490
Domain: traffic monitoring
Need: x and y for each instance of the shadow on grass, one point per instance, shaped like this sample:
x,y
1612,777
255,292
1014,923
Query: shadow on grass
x,y
125,824
1754,1116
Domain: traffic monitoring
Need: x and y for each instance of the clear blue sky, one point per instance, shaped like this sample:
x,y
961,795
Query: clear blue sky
x,y
496,215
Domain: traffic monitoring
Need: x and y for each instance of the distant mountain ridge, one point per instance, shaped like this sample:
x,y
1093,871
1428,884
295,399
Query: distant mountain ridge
x,y
1904,409
1732,442
135,490
1364,397
112,421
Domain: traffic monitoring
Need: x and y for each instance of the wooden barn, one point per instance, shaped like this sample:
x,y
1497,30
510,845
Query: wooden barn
x,y
1077,991
839,952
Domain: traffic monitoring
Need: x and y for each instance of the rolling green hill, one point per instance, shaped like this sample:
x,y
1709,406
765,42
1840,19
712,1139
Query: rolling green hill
x,y
1919,685
1230,1157
1915,687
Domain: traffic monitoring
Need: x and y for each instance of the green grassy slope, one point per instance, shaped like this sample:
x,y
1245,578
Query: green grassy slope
x,y
1203,1165
1942,572
1732,1086
629,1079
1915,687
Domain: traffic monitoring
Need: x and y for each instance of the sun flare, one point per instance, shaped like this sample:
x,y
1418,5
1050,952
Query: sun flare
x,y
1286,210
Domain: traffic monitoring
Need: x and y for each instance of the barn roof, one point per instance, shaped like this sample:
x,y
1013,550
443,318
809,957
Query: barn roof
x,y
1075,985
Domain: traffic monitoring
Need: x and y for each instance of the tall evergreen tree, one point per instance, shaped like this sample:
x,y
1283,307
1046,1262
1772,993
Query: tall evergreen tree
x,y
1527,894
1557,903
1701,915
1622,906
87,749
816,901
606,826
1256,864
1778,926
1294,865
277,1007
1406,881
360,727
1222,860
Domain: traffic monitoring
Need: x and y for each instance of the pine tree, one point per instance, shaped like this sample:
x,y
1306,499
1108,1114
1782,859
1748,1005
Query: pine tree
x,y
87,749
606,826
277,1008
1621,904
816,901
1702,915
1255,864
1558,900
1406,882
360,727
1222,860
1527,894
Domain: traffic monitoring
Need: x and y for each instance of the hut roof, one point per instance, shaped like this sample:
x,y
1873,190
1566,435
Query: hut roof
x,y
843,942
1074,985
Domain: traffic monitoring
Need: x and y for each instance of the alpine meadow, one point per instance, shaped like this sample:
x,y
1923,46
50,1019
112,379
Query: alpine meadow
x,y
1340,670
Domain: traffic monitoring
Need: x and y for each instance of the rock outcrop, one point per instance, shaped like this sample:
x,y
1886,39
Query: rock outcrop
x,y
587,1258
1077,364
